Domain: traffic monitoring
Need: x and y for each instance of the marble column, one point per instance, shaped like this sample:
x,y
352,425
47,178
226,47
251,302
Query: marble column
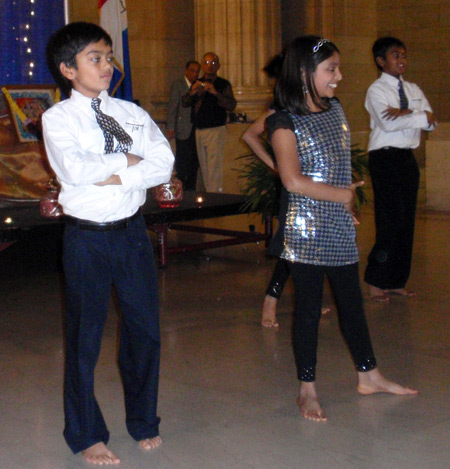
x,y
161,38
245,34
148,55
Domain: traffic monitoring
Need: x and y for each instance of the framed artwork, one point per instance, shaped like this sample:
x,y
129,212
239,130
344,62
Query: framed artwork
x,y
4,110
26,104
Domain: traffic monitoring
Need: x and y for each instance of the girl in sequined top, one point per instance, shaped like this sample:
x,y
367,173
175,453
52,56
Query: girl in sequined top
x,y
311,141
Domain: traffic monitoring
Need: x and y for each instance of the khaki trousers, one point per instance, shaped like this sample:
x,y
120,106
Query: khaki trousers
x,y
210,150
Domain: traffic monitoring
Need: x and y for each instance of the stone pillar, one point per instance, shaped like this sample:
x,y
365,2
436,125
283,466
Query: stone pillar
x,y
148,54
245,34
161,37
352,25
438,168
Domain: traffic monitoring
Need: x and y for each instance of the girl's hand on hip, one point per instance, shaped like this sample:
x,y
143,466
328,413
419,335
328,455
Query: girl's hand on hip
x,y
350,205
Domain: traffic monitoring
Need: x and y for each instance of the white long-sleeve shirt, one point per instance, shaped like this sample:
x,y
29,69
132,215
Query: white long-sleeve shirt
x,y
403,132
75,148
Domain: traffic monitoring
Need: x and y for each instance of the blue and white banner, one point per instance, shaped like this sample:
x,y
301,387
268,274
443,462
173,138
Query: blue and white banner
x,y
113,19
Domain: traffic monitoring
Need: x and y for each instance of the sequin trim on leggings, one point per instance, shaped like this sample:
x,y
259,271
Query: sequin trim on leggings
x,y
366,365
307,374
275,289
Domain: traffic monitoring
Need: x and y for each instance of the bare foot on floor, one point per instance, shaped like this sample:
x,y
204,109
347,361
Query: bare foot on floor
x,y
150,443
308,403
377,294
100,454
326,310
269,312
371,382
400,292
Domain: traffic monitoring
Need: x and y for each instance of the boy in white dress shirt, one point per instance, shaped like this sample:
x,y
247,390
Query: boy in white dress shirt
x,y
104,174
398,112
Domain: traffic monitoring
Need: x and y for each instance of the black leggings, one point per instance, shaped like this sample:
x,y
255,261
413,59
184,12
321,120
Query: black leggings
x,y
344,283
278,280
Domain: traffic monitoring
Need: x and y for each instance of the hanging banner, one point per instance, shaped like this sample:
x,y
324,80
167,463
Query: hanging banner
x,y
113,19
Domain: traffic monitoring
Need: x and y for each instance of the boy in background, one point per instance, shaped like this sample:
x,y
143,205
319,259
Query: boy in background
x,y
398,112
106,153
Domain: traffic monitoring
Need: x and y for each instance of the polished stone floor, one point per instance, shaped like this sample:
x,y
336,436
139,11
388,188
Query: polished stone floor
x,y
228,386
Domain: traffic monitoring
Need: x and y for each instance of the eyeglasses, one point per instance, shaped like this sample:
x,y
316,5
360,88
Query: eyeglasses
x,y
210,62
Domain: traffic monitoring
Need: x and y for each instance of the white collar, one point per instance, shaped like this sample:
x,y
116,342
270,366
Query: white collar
x,y
390,79
85,100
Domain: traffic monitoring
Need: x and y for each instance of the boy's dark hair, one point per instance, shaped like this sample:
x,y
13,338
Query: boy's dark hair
x,y
382,45
68,41
190,62
301,59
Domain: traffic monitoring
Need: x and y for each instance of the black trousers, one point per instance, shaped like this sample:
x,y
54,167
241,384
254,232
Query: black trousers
x,y
93,261
395,180
186,161
344,282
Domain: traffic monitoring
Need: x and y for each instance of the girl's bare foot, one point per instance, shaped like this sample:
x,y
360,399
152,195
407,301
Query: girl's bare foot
x,y
100,454
371,382
150,443
269,312
400,292
308,403
377,294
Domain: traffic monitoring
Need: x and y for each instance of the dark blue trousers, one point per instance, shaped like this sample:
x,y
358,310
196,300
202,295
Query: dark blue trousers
x,y
93,262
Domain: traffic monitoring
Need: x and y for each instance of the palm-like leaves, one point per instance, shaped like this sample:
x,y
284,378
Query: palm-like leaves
x,y
260,184
263,186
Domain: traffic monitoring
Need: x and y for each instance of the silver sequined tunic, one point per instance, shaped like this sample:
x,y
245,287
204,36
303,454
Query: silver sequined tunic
x,y
314,231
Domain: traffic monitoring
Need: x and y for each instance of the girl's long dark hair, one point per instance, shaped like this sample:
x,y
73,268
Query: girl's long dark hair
x,y
301,59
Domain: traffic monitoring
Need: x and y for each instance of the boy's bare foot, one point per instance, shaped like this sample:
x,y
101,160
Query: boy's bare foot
x,y
269,312
371,382
377,294
100,454
326,310
150,443
308,403
400,292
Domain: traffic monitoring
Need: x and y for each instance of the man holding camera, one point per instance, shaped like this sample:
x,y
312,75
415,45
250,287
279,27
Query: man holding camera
x,y
211,98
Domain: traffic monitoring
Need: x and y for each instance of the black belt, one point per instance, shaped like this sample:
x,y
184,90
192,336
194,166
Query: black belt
x,y
106,226
393,148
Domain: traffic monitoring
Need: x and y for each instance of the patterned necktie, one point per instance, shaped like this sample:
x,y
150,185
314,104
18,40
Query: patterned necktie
x,y
111,128
401,93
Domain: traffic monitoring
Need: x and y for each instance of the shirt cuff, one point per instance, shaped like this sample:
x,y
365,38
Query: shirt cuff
x,y
118,162
422,119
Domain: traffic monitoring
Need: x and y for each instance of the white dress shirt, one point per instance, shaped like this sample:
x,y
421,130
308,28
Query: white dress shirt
x,y
75,148
403,132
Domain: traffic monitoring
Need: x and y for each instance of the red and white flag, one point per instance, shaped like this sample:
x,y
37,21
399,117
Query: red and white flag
x,y
113,19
